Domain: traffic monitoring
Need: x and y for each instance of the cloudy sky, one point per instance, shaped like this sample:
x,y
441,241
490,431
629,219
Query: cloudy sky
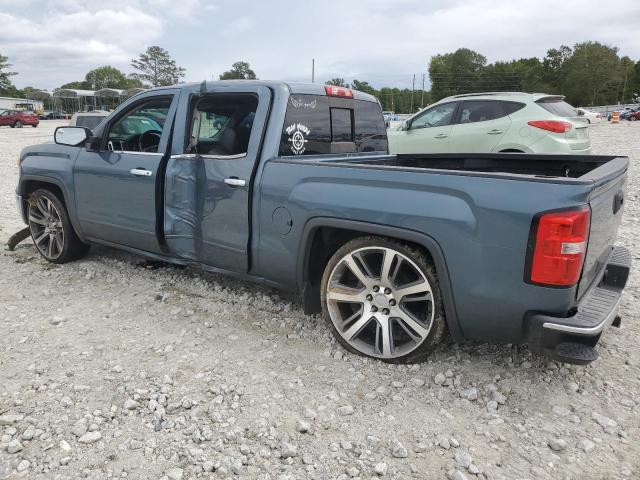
x,y
51,42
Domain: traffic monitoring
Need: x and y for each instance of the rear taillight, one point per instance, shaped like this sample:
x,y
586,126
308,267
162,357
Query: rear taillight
x,y
556,126
558,244
334,91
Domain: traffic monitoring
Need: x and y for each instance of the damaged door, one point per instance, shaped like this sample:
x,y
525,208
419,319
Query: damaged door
x,y
207,189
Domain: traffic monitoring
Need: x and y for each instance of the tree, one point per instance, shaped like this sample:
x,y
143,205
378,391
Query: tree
x,y
157,68
455,73
364,87
108,77
592,74
6,86
239,71
76,86
337,82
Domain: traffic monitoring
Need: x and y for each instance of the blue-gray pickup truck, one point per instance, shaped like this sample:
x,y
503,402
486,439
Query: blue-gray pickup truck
x,y
291,185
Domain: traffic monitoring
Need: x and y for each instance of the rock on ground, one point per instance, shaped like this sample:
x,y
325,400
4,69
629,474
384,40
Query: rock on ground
x,y
223,370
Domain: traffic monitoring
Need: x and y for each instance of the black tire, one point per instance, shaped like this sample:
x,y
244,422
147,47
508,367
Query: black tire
x,y
18,124
72,247
35,126
438,327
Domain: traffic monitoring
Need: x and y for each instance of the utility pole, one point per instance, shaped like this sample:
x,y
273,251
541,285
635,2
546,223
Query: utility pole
x,y
413,89
422,94
313,70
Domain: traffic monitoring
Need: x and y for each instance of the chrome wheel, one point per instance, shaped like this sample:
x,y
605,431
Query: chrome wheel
x,y
46,227
380,302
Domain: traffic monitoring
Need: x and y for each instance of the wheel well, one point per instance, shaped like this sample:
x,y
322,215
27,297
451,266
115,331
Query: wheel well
x,y
30,186
323,243
511,150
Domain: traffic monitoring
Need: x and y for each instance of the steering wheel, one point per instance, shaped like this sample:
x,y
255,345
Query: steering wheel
x,y
149,141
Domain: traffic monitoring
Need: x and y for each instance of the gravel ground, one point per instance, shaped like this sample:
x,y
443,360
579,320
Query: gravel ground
x,y
111,368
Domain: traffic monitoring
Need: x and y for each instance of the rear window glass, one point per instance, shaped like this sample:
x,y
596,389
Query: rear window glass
x,y
314,122
370,130
558,107
341,128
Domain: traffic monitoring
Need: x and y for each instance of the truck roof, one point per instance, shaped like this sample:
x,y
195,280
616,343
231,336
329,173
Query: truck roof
x,y
295,88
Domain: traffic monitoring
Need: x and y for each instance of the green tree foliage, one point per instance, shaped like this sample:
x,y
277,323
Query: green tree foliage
x,y
104,77
6,86
156,68
239,71
363,87
110,77
337,82
590,73
457,72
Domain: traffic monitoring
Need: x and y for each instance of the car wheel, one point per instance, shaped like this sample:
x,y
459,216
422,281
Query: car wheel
x,y
35,126
382,299
51,229
18,124
633,119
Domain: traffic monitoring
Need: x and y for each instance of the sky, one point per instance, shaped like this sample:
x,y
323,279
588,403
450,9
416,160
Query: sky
x,y
385,42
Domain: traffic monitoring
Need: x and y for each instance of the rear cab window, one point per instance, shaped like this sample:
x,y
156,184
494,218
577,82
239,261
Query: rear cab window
x,y
317,124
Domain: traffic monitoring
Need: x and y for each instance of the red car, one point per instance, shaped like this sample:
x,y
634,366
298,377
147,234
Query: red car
x,y
633,116
18,118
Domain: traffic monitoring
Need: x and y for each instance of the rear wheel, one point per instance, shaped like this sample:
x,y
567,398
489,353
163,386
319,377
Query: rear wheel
x,y
35,126
382,299
18,124
51,229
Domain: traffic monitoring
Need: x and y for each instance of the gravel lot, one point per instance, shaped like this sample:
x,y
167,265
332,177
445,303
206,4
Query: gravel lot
x,y
110,368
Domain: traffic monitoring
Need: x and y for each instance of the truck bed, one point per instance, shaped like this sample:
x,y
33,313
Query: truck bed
x,y
540,166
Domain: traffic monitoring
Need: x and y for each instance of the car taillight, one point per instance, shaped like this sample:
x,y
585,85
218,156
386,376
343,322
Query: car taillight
x,y
559,244
556,126
334,91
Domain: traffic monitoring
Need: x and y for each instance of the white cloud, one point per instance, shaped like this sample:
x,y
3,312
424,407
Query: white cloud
x,y
382,41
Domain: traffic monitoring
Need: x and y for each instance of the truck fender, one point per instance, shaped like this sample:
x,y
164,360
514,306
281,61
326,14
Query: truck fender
x,y
365,228
24,179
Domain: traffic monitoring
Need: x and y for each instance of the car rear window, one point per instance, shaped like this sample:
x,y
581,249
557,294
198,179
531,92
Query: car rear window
x,y
558,107
316,124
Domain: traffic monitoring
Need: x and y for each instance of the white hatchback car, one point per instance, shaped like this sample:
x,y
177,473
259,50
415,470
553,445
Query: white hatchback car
x,y
494,122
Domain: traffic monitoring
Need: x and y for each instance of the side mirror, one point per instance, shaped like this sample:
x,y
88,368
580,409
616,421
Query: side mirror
x,y
580,113
72,136
405,125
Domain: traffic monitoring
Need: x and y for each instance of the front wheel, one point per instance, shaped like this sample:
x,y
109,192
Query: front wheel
x,y
382,299
51,229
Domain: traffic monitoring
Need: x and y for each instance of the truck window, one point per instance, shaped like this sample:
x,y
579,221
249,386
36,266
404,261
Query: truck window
x,y
341,125
140,129
316,124
222,123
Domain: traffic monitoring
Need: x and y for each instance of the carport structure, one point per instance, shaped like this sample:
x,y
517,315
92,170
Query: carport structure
x,y
74,100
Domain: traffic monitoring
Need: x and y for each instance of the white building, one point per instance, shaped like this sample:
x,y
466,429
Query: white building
x,y
7,103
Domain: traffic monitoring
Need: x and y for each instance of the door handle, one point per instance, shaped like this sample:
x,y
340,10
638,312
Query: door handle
x,y
495,131
235,182
140,172
441,135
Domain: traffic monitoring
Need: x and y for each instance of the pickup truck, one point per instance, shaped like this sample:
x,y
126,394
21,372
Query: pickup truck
x,y
292,185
